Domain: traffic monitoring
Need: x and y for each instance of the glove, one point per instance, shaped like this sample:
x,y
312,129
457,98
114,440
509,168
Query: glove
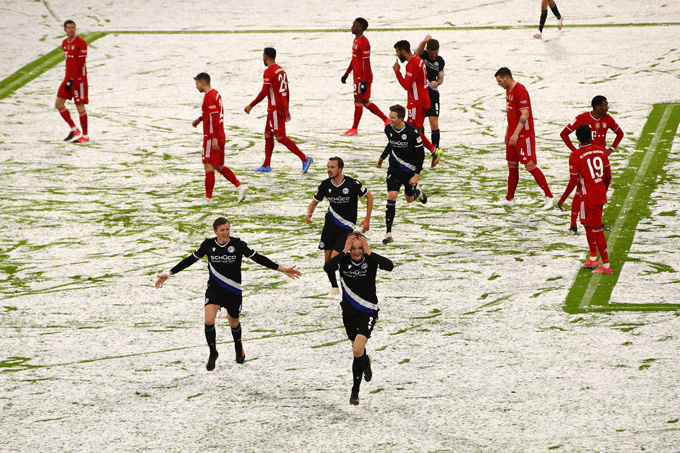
x,y
343,79
68,85
362,87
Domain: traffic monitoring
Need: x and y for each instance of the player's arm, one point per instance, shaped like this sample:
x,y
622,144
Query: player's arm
x,y
619,136
266,262
520,125
186,262
405,82
260,96
310,210
607,175
573,182
440,78
385,264
565,137
366,223
421,47
197,121
333,264
384,155
420,158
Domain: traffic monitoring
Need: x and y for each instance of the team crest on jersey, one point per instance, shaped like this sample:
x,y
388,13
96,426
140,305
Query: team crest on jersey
x,y
364,266
403,136
345,190
604,125
231,249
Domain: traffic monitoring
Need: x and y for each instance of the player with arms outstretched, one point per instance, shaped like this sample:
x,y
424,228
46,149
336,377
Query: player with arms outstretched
x,y
275,89
360,67
74,85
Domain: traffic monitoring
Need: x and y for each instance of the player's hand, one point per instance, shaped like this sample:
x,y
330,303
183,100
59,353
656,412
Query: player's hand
x,y
290,271
610,151
196,122
559,205
248,109
308,218
362,87
215,146
69,84
414,179
379,163
348,242
513,140
364,244
434,84
287,116
396,66
161,279
427,38
343,79
365,224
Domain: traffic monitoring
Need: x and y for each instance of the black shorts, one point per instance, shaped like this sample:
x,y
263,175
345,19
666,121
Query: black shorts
x,y
396,180
358,323
333,237
225,299
434,104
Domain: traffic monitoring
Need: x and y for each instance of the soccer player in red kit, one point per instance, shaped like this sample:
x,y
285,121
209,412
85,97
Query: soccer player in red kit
x,y
360,66
589,169
520,138
416,84
275,89
212,153
600,122
74,85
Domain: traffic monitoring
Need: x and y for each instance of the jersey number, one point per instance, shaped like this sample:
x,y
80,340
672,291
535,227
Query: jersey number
x,y
596,167
283,83
370,321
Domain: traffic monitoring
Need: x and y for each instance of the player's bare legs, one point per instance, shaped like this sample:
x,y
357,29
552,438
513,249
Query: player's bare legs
x,y
544,16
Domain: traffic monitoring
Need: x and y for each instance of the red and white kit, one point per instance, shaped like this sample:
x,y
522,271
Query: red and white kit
x,y
360,66
589,169
213,127
415,83
525,148
75,54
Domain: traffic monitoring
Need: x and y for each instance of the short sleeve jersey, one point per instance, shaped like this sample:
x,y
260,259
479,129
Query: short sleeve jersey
x,y
213,115
588,163
342,199
598,127
516,100
224,262
75,53
406,149
434,67
361,55
418,95
278,95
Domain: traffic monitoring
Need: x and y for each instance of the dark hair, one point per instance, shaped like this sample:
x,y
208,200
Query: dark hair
x,y
363,22
203,77
403,45
597,100
432,44
503,72
68,22
585,137
219,222
341,163
399,110
270,52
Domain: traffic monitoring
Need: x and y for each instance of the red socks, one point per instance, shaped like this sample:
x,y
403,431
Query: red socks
x,y
575,208
426,143
83,121
375,110
540,179
209,183
513,180
601,244
358,111
231,177
67,117
268,149
292,147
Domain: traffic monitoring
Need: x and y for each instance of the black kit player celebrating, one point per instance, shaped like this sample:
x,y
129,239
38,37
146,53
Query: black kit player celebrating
x,y
358,268
225,255
405,148
343,193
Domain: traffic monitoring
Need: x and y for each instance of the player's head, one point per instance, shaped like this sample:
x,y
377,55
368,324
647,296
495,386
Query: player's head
x,y
584,135
397,115
222,229
403,49
600,104
504,77
70,28
359,26
356,249
269,56
202,82
432,48
334,166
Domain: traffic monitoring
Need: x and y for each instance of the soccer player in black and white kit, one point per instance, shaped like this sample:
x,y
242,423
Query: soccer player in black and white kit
x,y
343,193
428,50
224,254
405,148
358,268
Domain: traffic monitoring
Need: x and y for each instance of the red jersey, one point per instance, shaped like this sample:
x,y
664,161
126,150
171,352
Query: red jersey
x,y
415,83
213,116
275,88
75,53
515,100
361,61
598,127
589,168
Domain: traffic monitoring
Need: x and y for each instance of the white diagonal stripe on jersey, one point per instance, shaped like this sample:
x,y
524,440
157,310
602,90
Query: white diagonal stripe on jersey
x,y
339,219
358,302
224,279
403,163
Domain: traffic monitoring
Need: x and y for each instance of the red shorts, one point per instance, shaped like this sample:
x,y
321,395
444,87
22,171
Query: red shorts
x,y
211,156
276,124
78,91
590,214
416,116
366,95
523,151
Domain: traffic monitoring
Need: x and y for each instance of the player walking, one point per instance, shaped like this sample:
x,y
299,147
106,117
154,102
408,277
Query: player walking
x,y
520,138
405,148
74,85
589,168
417,86
275,89
358,268
360,65
343,193
600,122
212,154
225,255
544,16
428,50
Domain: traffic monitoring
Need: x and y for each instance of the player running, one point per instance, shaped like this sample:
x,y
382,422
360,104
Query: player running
x,y
360,66
428,50
405,148
417,87
225,255
589,169
275,89
343,193
212,153
74,85
544,16
520,138
358,268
